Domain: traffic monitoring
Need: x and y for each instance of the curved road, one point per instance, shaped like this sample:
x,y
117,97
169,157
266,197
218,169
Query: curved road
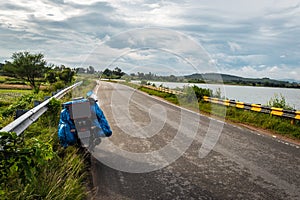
x,y
154,153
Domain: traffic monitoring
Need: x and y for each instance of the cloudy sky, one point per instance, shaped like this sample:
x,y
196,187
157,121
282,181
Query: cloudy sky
x,y
257,38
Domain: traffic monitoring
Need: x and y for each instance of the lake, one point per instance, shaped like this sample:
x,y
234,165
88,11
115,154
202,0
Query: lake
x,y
248,94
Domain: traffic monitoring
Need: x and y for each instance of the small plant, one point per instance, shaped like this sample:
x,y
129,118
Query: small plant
x,y
279,102
20,161
201,92
218,93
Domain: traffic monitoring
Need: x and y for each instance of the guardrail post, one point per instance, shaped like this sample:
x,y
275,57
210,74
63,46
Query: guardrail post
x,y
46,97
36,103
19,112
293,122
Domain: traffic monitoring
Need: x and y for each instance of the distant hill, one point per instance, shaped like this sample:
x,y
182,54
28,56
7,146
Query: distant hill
x,y
216,78
290,80
230,79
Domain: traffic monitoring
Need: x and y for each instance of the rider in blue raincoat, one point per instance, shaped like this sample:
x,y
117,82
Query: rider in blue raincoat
x,y
67,128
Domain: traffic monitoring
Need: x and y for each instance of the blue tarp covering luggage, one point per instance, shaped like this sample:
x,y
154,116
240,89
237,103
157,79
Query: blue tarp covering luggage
x,y
67,132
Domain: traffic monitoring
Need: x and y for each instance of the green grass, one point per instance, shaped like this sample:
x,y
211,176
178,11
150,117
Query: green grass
x,y
11,80
9,95
275,124
7,98
135,86
89,83
7,78
13,91
169,97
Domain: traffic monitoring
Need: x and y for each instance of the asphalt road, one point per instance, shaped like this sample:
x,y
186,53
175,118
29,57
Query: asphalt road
x,y
159,151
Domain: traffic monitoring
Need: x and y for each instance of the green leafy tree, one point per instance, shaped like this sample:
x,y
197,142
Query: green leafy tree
x,y
1,67
118,72
66,75
80,70
28,67
115,73
51,76
107,73
90,70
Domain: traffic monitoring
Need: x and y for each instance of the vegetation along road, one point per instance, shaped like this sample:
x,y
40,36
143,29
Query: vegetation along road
x,y
160,151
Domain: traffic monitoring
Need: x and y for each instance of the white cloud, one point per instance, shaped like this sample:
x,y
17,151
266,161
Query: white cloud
x,y
136,55
138,13
80,2
234,46
275,72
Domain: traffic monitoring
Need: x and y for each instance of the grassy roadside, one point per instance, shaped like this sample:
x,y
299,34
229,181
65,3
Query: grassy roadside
x,y
268,122
35,166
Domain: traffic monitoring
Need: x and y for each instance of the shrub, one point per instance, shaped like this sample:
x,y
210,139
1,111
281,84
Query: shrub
x,y
201,92
279,102
21,103
58,85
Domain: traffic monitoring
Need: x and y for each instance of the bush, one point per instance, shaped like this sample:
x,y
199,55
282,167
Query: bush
x,y
20,161
195,93
58,85
279,102
23,102
201,92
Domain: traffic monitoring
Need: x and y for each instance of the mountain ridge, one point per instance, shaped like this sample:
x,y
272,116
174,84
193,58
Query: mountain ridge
x,y
233,79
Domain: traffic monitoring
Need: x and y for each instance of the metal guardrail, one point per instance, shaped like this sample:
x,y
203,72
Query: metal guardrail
x,y
162,89
25,120
292,114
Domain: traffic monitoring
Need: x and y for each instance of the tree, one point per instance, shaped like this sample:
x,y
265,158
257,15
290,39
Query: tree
x,y
141,75
28,67
51,76
107,73
66,75
1,68
80,70
90,70
115,74
118,72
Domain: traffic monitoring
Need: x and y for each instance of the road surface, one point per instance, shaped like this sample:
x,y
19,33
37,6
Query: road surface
x,y
154,153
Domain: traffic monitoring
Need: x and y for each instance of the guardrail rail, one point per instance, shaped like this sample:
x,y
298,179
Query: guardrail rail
x,y
162,89
292,114
25,120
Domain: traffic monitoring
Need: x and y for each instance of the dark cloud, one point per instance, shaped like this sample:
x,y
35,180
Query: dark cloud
x,y
9,6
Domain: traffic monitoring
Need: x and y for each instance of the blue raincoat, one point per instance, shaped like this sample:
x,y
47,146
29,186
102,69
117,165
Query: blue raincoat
x,y
66,124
